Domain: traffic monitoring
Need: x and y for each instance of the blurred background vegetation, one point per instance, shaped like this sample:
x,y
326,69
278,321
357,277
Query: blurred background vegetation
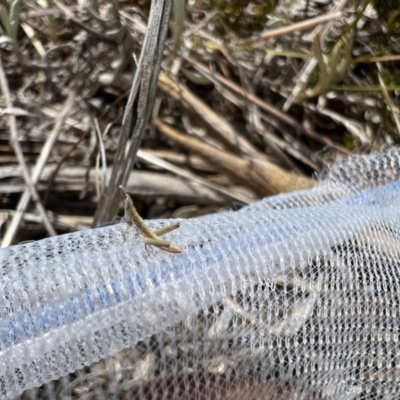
x,y
255,98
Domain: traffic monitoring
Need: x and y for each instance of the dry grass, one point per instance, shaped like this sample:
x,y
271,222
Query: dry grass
x,y
277,87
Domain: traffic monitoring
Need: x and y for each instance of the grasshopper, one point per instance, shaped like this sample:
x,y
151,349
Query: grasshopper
x,y
152,238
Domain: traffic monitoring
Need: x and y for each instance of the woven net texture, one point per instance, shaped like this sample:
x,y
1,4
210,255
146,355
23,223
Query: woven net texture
x,y
294,297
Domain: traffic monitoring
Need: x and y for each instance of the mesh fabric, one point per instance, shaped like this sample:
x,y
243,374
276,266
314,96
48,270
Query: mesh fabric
x,y
294,297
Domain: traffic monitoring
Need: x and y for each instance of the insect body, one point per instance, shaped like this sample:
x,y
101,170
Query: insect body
x,y
132,218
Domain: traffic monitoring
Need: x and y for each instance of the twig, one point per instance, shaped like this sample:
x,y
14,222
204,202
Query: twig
x,y
101,155
393,110
299,26
145,156
30,32
69,223
18,152
141,183
262,176
23,202
366,59
357,129
144,86
190,161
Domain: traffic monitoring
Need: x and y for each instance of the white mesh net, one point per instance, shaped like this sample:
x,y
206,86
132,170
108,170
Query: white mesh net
x,y
295,297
